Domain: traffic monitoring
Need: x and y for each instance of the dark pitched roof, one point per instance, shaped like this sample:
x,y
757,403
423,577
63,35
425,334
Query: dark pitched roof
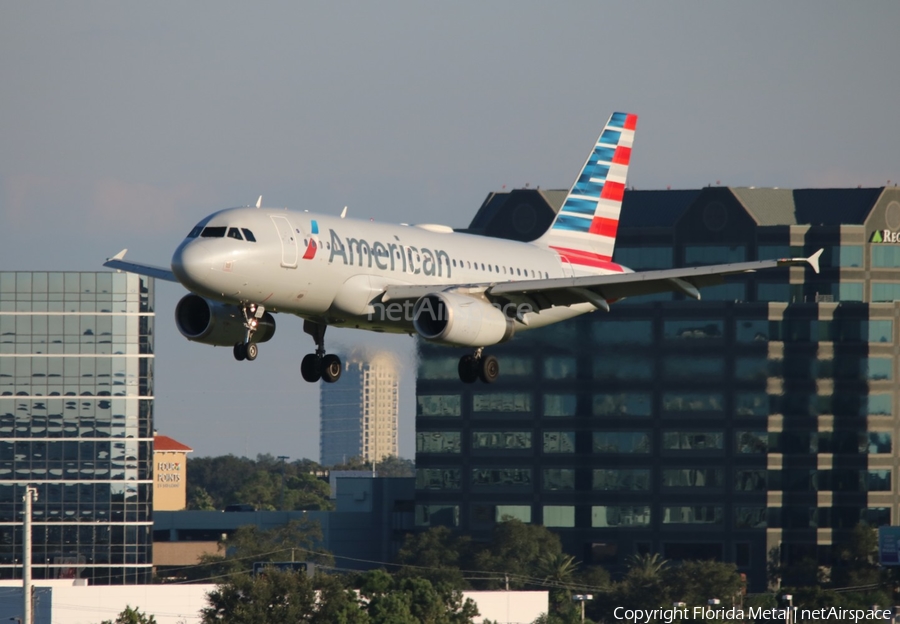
x,y
655,208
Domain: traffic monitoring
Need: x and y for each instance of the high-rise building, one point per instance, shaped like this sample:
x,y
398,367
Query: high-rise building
x,y
754,426
76,412
359,414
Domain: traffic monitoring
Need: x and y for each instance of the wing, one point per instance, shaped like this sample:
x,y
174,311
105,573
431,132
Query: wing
x,y
601,289
119,263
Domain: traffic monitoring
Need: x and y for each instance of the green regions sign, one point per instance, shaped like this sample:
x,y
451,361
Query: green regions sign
x,y
885,236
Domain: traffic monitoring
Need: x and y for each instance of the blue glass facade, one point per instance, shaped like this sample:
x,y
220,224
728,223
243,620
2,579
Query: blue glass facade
x,y
76,421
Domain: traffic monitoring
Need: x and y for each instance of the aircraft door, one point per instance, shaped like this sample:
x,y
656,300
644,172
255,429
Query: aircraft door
x,y
568,271
289,249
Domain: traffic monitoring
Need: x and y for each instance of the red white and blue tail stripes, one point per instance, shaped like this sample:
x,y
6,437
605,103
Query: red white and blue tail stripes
x,y
584,231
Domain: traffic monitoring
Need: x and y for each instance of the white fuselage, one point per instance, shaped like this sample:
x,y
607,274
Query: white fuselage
x,y
331,269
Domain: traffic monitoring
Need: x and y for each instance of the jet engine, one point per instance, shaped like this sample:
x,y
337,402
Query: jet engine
x,y
459,320
218,324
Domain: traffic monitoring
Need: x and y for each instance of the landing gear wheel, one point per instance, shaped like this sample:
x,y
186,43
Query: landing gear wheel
x,y
252,351
490,369
240,351
468,369
331,368
309,368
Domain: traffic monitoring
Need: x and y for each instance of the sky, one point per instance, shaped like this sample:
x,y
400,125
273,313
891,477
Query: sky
x,y
123,124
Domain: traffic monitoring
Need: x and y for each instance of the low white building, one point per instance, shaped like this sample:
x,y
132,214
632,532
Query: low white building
x,y
61,602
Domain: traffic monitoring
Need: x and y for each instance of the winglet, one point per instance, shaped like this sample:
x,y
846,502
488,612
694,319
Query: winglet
x,y
814,260
118,256
259,202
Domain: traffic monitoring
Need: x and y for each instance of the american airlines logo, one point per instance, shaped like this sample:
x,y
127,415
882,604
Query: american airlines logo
x,y
389,256
885,236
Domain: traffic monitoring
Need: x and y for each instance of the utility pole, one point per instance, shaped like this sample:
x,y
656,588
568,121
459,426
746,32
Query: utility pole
x,y
30,496
282,458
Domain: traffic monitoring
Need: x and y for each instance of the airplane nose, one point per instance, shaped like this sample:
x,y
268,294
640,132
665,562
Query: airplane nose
x,y
191,264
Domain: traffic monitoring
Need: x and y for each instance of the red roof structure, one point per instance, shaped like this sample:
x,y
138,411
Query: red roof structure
x,y
165,443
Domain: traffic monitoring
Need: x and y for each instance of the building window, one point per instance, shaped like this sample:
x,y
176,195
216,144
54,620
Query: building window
x,y
559,442
438,442
850,291
885,291
881,331
522,513
752,330
437,515
750,480
621,479
645,257
622,404
695,514
561,516
603,516
878,405
751,368
693,440
885,256
752,404
693,477
875,442
622,332
559,404
621,442
440,367
438,479
438,405
695,331
560,368
501,440
623,367
714,254
752,442
680,402
687,367
559,479
750,517
501,402
501,477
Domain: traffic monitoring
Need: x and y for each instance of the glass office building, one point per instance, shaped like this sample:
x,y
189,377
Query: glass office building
x,y
756,423
76,414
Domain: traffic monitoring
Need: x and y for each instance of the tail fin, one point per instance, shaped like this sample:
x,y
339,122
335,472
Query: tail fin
x,y
584,232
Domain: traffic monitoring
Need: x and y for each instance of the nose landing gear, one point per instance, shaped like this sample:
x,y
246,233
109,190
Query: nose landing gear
x,y
248,350
318,365
478,366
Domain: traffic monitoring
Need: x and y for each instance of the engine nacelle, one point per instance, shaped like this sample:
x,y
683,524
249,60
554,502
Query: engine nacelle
x,y
459,320
218,324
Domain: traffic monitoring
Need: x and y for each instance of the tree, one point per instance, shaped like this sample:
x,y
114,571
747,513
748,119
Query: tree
x,y
394,466
437,555
515,551
695,582
200,500
298,540
274,597
131,616
413,601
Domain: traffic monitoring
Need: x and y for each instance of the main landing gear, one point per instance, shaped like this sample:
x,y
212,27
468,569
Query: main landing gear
x,y
478,366
248,350
318,365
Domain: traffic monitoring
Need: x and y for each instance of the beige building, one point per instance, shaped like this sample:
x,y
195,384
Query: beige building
x,y
359,415
169,474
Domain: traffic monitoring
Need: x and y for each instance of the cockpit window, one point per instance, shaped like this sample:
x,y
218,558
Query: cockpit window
x,y
195,232
235,233
248,235
213,232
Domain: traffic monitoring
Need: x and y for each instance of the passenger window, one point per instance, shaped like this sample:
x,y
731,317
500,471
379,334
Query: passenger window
x,y
489,269
195,232
496,268
518,271
248,235
213,232
235,233
454,262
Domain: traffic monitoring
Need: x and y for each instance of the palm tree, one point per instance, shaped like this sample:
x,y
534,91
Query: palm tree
x,y
646,568
558,569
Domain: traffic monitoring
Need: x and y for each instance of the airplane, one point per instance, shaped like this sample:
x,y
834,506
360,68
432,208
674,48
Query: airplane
x,y
242,265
